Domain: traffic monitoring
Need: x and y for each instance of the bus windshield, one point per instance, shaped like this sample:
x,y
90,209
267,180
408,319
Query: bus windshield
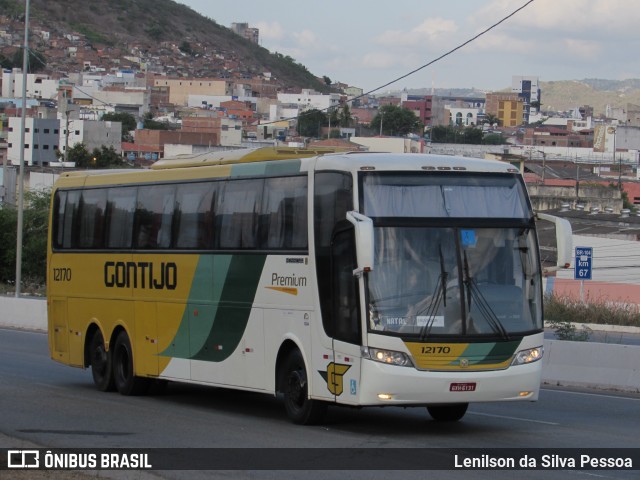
x,y
449,277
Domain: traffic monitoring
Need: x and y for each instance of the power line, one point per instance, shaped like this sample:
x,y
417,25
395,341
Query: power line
x,y
444,55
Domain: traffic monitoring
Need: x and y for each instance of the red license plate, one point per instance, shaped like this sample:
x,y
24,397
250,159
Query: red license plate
x,y
462,387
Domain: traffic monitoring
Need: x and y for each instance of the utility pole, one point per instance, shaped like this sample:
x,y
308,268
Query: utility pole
x,y
25,56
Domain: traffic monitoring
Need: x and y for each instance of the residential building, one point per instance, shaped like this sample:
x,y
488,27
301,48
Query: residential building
x,y
154,140
243,29
557,137
38,85
462,116
227,130
181,88
91,133
420,105
527,88
309,99
633,115
41,140
391,144
508,108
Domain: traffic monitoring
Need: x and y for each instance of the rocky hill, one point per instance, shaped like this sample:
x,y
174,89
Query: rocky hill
x,y
564,95
149,30
598,93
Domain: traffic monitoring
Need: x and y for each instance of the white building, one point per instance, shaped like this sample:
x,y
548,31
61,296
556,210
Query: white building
x,y
38,86
463,116
41,140
230,132
93,134
132,100
391,144
283,112
528,88
309,99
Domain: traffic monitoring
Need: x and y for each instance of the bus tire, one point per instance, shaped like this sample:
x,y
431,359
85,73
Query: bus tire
x,y
448,413
300,408
125,380
101,366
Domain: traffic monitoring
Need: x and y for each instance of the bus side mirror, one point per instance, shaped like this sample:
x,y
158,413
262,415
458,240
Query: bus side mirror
x,y
363,226
564,241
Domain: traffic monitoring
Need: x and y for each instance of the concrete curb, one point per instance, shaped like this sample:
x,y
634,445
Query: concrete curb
x,y
584,364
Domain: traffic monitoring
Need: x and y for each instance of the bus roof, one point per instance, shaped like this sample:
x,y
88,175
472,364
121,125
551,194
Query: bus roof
x,y
244,155
220,164
411,162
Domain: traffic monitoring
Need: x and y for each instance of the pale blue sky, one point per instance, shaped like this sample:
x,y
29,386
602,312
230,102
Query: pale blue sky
x,y
369,43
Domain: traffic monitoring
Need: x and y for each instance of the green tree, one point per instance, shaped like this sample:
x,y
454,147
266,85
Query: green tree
x,y
151,124
8,226
493,139
334,117
34,233
456,134
34,251
106,157
128,123
79,155
345,117
491,119
103,157
396,121
310,121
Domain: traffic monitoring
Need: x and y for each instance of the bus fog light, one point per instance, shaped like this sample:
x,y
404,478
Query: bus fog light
x,y
524,393
528,356
385,396
387,356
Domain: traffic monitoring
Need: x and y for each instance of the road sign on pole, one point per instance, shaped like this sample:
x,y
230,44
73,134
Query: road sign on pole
x,y
583,263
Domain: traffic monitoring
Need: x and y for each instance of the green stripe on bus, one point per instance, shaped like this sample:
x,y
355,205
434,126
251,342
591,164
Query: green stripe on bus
x,y
232,316
209,331
489,353
267,169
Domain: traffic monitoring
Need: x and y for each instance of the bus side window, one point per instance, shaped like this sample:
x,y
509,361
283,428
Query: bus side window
x,y
239,214
283,218
67,204
92,209
194,213
121,207
154,212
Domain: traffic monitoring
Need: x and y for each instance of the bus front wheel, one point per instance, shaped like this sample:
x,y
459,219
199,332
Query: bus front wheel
x,y
448,413
125,380
101,369
300,408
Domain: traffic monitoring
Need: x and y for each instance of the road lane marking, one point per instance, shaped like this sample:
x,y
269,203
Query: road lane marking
x,y
588,394
512,418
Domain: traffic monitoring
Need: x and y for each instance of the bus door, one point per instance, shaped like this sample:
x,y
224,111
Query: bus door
x,y
343,374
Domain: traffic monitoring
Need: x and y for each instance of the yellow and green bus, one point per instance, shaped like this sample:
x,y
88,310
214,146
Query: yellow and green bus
x,y
330,278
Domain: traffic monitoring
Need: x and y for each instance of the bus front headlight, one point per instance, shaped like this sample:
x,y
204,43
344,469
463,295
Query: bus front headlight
x,y
387,356
528,356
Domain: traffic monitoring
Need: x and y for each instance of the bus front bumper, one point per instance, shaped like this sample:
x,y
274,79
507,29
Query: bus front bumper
x,y
383,384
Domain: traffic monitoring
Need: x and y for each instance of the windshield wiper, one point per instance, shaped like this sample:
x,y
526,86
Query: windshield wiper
x,y
484,308
439,294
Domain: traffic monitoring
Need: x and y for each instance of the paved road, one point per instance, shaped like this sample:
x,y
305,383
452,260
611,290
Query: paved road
x,y
50,405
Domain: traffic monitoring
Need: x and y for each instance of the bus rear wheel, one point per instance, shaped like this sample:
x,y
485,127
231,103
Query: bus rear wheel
x,y
299,407
125,380
101,368
448,413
